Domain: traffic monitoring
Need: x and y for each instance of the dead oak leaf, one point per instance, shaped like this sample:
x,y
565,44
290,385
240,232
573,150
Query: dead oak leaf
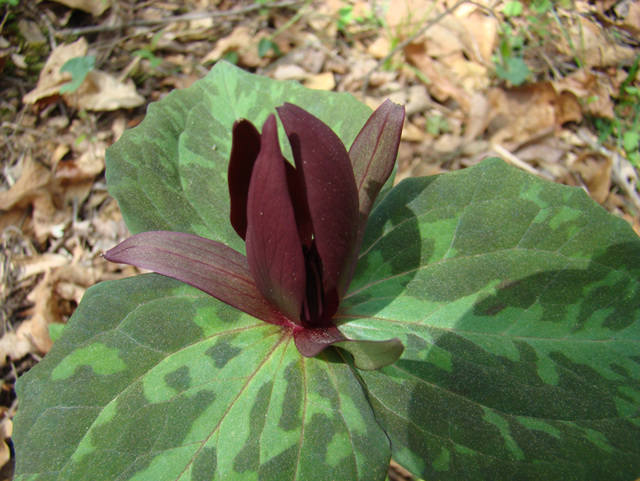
x,y
99,91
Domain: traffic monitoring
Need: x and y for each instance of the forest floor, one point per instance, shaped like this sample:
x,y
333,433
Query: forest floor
x,y
550,87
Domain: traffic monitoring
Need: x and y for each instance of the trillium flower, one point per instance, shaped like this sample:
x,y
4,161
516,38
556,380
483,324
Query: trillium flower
x,y
303,225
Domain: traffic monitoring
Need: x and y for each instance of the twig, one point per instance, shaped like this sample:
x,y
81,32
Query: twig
x,y
516,161
408,40
4,20
15,127
187,17
50,31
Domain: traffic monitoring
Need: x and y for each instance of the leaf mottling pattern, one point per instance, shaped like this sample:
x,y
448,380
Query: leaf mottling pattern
x,y
517,300
520,334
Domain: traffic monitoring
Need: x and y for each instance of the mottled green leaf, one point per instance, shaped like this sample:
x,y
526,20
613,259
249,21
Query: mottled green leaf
x,y
155,380
518,303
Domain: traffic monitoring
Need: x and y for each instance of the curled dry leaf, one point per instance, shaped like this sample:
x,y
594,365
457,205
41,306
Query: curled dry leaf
x,y
593,89
34,178
595,46
244,42
595,171
99,91
51,79
37,190
480,35
443,83
452,53
522,114
32,336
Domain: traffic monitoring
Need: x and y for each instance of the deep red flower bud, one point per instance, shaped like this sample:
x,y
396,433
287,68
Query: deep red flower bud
x,y
303,224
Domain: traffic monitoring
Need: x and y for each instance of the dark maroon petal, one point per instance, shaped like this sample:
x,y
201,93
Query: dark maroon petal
x,y
325,170
274,251
245,146
300,208
311,342
207,265
373,154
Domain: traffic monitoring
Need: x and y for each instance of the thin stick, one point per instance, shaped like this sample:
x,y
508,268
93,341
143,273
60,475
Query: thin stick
x,y
515,160
187,17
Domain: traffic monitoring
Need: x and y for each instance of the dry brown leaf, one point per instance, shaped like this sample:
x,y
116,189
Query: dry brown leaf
x,y
568,108
101,91
604,5
480,35
94,7
54,298
321,81
593,89
331,7
478,117
32,336
242,40
412,133
33,180
379,48
404,17
323,17
451,54
595,170
447,143
50,79
88,161
595,47
358,68
35,189
600,184
633,16
442,84
289,72
524,113
15,218
443,38
471,76
48,219
416,100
